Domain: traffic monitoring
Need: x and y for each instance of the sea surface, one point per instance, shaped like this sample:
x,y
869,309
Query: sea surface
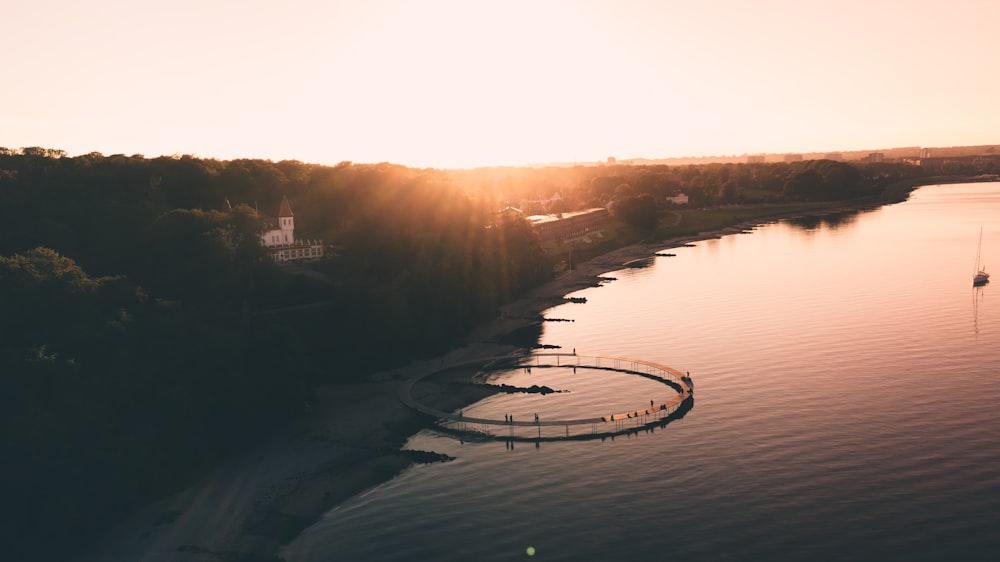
x,y
846,407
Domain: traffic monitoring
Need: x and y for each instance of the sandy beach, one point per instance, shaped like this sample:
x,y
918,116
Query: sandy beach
x,y
350,441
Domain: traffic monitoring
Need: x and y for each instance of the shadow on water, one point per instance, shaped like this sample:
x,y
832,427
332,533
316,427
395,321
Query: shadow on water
x,y
832,221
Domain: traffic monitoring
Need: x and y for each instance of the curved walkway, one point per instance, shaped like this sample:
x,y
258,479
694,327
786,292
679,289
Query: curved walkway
x,y
587,361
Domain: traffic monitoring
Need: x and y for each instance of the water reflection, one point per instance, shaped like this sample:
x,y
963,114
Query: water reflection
x,y
977,297
832,221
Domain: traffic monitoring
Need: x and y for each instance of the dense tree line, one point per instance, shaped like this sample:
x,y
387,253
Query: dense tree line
x,y
145,333
706,185
140,340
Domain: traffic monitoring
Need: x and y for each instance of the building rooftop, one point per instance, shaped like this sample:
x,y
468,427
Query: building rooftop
x,y
538,219
286,208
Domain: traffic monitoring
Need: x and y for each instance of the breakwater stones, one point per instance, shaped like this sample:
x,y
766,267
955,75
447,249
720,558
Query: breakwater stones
x,y
425,457
578,300
533,389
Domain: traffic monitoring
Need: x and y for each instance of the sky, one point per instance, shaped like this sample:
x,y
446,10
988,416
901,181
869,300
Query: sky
x,y
464,83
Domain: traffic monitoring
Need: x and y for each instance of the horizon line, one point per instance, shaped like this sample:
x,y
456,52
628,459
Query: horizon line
x,y
610,159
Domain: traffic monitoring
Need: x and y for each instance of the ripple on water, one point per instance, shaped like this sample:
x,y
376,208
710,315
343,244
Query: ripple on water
x,y
845,407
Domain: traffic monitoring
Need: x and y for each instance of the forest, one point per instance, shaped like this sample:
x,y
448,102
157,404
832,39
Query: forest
x,y
146,336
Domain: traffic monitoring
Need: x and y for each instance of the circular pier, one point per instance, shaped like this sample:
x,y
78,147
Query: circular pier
x,y
595,425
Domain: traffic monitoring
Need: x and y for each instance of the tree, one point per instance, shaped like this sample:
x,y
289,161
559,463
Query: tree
x,y
636,210
808,185
191,255
624,190
54,305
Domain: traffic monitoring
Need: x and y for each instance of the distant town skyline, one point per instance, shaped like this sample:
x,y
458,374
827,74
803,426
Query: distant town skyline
x,y
449,83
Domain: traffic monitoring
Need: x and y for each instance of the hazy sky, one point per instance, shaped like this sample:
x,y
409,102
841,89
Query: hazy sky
x,y
451,83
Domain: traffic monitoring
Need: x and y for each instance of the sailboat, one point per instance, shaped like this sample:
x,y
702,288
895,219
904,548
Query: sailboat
x,y
981,277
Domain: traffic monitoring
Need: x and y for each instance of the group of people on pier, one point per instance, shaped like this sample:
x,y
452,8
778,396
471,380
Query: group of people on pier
x,y
509,418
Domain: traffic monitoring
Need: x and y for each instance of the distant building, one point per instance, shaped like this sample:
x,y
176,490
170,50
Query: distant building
x,y
834,156
280,241
755,159
874,157
552,229
511,213
612,160
793,158
679,199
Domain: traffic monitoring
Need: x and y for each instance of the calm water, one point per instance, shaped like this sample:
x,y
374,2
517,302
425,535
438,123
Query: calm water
x,y
847,406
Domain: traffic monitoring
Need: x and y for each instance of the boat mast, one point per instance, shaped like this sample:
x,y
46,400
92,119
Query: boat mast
x,y
979,250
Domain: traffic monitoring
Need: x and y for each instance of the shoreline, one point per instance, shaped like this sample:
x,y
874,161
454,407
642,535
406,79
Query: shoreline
x,y
350,442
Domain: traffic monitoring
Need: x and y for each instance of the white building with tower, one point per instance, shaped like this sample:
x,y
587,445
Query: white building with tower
x,y
280,241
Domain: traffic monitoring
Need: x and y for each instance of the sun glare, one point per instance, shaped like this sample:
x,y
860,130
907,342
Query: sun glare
x,y
450,83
